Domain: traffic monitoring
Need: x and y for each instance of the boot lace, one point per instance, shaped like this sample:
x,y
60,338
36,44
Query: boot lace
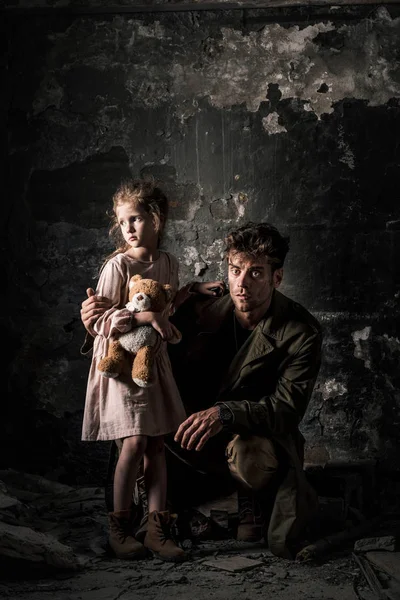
x,y
164,529
245,508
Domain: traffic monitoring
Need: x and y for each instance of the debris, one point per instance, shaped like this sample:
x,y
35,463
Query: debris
x,y
32,483
387,542
220,517
8,502
331,542
35,548
387,562
234,564
370,577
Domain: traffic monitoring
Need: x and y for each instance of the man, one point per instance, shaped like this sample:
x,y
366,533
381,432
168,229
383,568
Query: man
x,y
246,369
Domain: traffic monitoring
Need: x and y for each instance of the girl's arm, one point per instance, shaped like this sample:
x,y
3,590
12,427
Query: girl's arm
x,y
158,321
113,286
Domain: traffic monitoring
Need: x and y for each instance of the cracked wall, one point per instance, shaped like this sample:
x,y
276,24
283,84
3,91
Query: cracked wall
x,y
286,116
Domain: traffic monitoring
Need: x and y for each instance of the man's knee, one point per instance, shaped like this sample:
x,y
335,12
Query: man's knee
x,y
252,461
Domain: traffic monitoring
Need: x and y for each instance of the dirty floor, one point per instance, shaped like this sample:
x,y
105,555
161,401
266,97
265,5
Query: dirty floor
x,y
76,518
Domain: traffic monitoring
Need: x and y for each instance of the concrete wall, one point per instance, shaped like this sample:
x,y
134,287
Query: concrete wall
x,y
286,115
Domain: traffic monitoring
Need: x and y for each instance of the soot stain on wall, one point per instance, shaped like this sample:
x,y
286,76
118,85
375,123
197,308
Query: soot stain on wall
x,y
294,123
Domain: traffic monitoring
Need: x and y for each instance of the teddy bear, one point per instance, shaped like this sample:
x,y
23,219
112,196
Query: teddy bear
x,y
142,342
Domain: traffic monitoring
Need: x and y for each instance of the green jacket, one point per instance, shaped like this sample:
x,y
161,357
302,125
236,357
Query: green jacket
x,y
267,387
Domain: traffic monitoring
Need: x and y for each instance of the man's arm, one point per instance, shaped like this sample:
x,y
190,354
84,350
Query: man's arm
x,y
277,414
281,412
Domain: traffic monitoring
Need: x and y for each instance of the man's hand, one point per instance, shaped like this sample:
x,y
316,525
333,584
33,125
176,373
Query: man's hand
x,y
209,288
92,308
198,428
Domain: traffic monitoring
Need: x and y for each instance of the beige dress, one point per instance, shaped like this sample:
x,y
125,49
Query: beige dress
x,y
117,408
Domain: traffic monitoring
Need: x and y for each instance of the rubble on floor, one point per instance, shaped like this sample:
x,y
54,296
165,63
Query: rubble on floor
x,y
59,552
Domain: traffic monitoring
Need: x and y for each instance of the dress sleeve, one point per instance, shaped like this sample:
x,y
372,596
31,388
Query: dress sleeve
x,y
113,284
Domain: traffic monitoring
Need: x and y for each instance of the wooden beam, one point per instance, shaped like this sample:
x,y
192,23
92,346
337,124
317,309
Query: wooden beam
x,y
188,6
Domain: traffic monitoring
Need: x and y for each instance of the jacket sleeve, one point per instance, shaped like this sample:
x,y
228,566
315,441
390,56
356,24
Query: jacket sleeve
x,y
281,412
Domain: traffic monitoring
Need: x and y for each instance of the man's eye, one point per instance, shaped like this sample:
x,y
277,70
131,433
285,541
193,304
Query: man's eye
x,y
256,274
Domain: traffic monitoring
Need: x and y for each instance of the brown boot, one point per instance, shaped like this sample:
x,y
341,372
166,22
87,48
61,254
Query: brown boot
x,y
251,521
121,540
158,538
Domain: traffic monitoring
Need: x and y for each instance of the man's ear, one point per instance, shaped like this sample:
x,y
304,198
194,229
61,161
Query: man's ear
x,y
277,278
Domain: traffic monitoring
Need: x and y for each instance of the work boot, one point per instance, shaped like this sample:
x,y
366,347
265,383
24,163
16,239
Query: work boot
x,y
121,540
158,538
251,521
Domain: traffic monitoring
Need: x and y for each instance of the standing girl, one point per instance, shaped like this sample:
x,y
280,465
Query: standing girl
x,y
117,409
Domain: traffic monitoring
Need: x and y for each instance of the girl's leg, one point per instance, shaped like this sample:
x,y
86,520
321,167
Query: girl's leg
x,y
159,537
155,474
133,449
121,539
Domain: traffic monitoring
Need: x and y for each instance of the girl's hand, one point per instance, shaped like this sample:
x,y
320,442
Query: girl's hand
x,y
165,328
209,288
92,308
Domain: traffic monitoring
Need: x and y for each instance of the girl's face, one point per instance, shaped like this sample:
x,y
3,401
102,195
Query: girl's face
x,y
137,226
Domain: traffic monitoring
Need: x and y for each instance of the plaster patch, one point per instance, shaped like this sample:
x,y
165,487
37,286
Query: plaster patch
x,y
240,206
190,255
200,268
332,388
362,352
154,30
246,64
393,342
271,124
215,251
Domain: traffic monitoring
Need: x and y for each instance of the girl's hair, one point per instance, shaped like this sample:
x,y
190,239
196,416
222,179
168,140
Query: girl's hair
x,y
143,193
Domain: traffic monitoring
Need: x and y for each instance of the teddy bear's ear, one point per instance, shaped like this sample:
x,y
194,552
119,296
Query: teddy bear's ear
x,y
133,280
168,291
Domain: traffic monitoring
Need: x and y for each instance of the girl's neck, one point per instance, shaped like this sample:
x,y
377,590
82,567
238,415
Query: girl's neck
x,y
144,254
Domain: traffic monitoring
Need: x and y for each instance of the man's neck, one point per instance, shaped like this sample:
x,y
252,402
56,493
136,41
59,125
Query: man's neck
x,y
250,320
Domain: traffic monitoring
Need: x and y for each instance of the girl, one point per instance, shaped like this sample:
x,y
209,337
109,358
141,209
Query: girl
x,y
116,409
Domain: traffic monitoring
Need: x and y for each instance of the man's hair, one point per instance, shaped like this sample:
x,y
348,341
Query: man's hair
x,y
259,239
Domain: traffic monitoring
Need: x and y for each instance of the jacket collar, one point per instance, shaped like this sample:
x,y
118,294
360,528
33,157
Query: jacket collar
x,y
258,344
272,325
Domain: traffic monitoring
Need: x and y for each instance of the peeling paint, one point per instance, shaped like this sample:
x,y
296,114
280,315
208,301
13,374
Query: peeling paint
x,y
240,205
292,58
360,351
271,125
393,342
332,388
190,255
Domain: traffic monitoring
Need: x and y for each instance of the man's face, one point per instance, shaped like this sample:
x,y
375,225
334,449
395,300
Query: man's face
x,y
251,282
